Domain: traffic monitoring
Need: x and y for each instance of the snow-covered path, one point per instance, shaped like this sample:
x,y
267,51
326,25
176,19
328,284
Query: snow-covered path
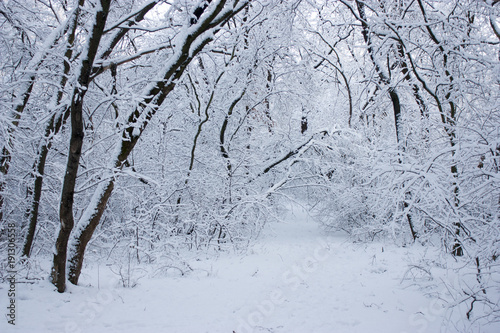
x,y
294,279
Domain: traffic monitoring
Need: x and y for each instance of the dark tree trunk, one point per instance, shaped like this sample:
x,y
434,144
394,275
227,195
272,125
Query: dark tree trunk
x,y
35,202
58,274
76,257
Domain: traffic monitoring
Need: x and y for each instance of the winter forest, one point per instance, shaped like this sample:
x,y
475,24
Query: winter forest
x,y
141,138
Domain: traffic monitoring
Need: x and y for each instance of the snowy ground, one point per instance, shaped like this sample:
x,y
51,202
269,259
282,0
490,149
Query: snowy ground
x,y
294,279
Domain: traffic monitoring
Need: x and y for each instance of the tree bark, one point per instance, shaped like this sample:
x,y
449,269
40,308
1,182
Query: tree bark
x,y
58,274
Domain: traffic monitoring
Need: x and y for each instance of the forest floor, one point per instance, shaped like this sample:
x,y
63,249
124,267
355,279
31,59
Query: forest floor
x,y
294,278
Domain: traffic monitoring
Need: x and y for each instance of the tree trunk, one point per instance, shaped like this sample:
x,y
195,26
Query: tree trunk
x,y
58,274
84,233
35,201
